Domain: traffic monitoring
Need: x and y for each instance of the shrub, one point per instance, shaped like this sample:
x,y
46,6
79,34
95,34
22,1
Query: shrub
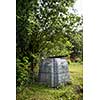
x,y
22,72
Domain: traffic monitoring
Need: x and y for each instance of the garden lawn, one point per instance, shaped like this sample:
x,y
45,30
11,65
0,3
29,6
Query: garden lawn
x,y
72,91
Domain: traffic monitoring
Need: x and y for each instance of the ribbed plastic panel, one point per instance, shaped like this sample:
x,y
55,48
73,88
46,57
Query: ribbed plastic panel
x,y
54,71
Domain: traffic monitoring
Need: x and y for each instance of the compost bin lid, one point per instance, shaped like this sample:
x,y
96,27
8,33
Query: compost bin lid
x,y
58,56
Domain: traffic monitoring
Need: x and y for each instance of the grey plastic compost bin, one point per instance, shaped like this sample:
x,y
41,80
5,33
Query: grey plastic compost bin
x,y
54,71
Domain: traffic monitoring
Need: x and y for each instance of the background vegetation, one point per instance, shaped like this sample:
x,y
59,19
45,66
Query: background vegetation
x,y
45,28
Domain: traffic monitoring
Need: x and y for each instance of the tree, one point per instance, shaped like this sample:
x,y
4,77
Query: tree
x,y
76,38
44,28
41,24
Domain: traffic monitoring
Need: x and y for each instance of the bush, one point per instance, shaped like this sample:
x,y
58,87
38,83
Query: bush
x,y
22,72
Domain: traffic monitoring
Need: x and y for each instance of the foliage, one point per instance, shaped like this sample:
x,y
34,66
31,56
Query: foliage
x,y
72,91
22,72
44,28
76,36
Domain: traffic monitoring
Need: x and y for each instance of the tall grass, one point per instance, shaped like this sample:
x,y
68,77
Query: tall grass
x,y
72,91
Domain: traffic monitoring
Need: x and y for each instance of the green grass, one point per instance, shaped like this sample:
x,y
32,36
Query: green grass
x,y
72,91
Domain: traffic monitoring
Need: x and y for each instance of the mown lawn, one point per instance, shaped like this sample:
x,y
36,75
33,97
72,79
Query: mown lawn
x,y
72,91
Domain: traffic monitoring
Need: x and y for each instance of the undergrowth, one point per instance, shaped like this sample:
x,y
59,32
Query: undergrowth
x,y
71,91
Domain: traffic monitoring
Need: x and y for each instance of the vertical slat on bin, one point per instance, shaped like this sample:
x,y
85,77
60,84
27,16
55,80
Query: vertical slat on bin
x,y
52,72
55,72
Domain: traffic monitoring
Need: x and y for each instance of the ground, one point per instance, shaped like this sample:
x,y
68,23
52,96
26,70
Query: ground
x,y
72,91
